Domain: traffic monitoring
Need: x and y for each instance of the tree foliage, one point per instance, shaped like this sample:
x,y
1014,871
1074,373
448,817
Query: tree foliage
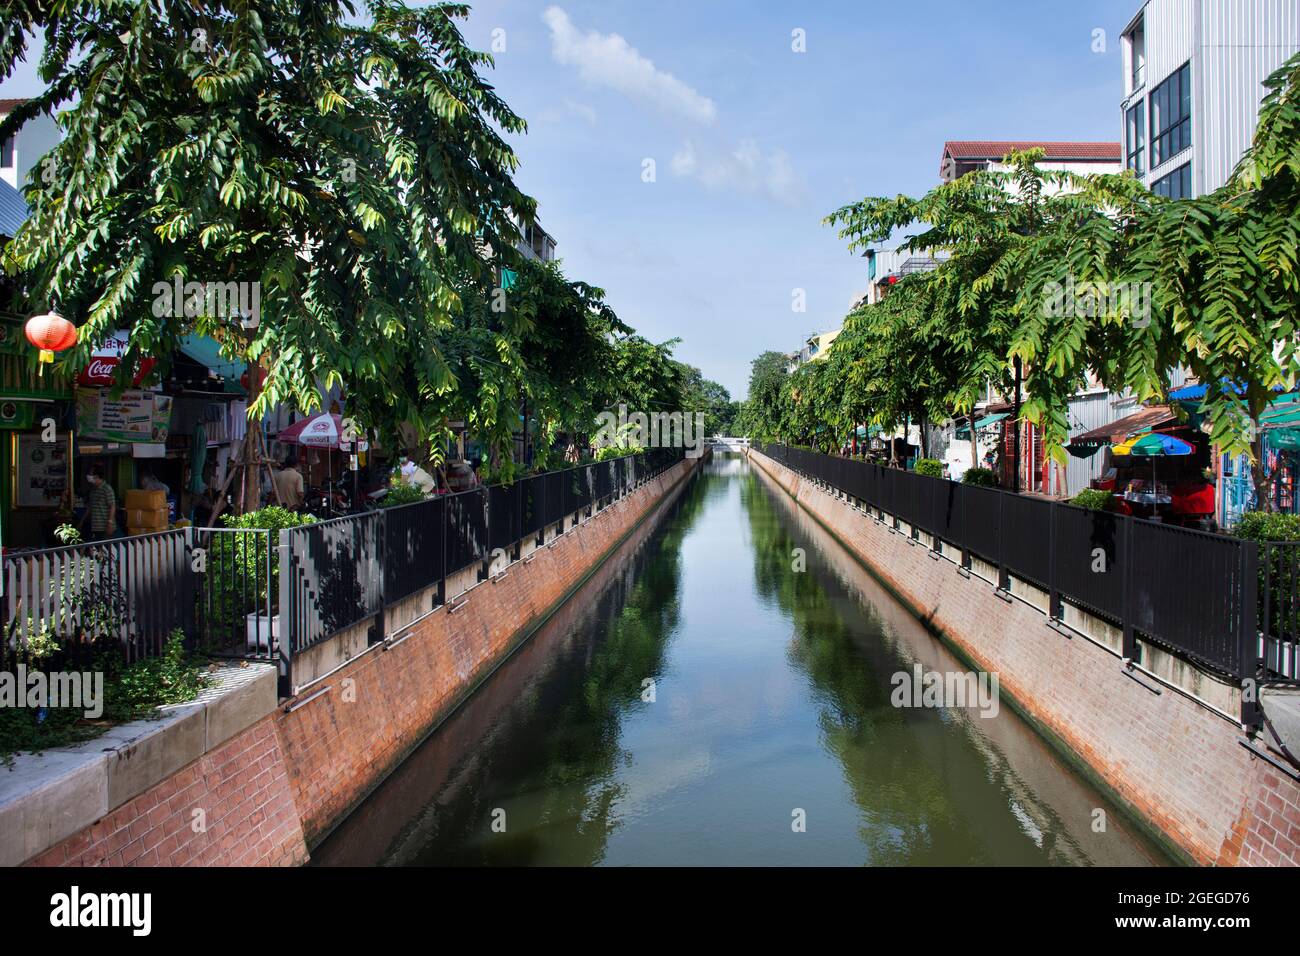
x,y
1074,276
354,168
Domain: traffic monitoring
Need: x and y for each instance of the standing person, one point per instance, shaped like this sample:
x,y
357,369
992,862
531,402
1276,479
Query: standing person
x,y
288,481
101,506
413,474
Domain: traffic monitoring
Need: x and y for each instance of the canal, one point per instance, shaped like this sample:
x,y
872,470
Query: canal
x,y
720,693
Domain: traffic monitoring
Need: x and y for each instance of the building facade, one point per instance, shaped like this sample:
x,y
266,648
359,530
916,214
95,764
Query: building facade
x,y
1193,80
24,149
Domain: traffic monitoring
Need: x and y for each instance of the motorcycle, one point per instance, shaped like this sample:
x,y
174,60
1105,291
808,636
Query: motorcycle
x,y
329,500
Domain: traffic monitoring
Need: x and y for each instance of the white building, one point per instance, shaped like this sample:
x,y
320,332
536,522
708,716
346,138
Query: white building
x,y
535,242
20,152
1193,81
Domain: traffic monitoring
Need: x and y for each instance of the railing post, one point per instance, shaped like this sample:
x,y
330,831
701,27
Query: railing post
x,y
379,629
485,571
288,623
442,551
1129,645
1053,542
1248,632
1004,574
189,621
964,495
518,530
1272,659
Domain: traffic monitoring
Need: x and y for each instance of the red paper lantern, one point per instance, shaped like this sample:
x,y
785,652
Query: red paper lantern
x,y
50,333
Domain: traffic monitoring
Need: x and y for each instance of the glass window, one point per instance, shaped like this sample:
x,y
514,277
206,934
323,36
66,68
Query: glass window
x,y
1137,57
1171,116
1177,185
7,153
1135,137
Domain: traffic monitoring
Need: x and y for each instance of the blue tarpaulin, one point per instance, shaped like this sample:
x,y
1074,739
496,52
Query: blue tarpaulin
x,y
13,211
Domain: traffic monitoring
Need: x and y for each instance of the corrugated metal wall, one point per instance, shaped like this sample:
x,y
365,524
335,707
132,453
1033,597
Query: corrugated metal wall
x,y
1241,42
1170,32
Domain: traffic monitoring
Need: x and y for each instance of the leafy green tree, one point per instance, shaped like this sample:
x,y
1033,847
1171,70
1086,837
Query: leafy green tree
x,y
351,169
1226,287
1027,255
700,394
760,414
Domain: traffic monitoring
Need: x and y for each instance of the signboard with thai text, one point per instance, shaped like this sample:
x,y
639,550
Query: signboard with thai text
x,y
133,416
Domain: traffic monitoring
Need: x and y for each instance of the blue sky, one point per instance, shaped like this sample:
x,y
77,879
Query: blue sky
x,y
754,143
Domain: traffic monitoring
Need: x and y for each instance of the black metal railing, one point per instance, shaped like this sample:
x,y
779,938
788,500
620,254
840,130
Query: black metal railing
x,y
234,575
1190,592
252,593
1279,609
135,591
345,572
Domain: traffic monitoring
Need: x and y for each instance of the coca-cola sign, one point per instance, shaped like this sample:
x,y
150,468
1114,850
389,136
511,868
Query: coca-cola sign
x,y
104,361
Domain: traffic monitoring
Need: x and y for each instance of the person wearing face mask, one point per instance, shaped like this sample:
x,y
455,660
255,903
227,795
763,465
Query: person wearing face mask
x,y
101,506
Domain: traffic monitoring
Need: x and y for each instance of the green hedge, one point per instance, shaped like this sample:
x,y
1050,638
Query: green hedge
x,y
932,467
983,477
1094,500
1268,526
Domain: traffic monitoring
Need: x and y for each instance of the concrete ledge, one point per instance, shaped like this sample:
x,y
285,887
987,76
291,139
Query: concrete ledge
x,y
47,797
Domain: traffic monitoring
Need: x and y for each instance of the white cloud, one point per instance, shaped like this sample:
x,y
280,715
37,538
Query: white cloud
x,y
567,111
606,59
746,168
581,110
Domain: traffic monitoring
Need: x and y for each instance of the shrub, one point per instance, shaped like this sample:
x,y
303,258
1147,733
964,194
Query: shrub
x,y
238,566
401,493
131,691
615,451
1268,526
273,518
931,467
983,477
1094,500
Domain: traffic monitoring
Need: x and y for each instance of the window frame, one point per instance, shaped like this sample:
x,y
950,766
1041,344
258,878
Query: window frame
x,y
1135,124
1183,172
1171,105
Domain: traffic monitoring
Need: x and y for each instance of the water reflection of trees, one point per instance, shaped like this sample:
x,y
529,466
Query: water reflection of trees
x,y
552,765
929,789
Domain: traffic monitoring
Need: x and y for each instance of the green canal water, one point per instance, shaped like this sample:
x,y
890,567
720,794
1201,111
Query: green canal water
x,y
699,701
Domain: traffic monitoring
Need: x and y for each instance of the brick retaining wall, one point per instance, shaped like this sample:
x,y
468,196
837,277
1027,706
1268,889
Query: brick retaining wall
x,y
1178,765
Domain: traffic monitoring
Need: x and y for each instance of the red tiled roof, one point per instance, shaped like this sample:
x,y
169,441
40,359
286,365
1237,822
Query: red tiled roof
x,y
998,148
7,106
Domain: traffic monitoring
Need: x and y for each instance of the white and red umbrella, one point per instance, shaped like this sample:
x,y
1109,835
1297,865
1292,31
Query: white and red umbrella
x,y
319,431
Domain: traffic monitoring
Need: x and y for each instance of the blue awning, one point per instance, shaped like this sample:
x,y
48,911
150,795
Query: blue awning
x,y
208,353
1194,393
985,422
